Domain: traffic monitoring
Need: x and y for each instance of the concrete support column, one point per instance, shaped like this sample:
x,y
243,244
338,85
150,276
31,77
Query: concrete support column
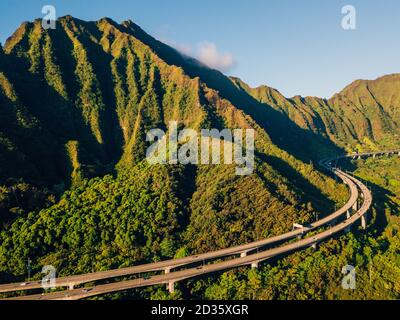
x,y
355,206
348,214
364,222
171,286
167,270
314,246
243,254
254,265
71,287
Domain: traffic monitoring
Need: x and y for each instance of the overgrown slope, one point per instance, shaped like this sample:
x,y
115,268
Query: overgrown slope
x,y
363,116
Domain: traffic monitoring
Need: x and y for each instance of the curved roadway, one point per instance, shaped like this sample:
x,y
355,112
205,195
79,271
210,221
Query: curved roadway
x,y
174,263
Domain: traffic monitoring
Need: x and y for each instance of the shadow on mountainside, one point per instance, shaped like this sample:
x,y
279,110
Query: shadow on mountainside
x,y
301,143
307,191
59,122
381,200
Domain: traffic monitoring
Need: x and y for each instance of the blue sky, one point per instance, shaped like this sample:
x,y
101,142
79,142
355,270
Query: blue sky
x,y
298,47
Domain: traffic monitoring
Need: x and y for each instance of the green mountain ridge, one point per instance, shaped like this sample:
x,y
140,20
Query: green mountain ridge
x,y
364,115
75,105
103,88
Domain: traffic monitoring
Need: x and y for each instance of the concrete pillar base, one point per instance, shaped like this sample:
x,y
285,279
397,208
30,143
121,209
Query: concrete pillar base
x,y
171,286
243,254
254,265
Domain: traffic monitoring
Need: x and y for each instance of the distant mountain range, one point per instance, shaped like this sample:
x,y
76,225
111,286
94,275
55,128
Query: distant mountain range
x,y
365,114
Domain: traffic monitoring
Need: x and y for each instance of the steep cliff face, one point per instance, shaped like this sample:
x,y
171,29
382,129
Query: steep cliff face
x,y
94,83
93,90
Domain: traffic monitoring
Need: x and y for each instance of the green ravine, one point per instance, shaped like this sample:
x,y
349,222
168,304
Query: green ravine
x,y
77,193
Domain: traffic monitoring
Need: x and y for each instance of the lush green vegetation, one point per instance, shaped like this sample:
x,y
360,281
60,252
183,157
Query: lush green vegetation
x,y
103,224
146,214
75,105
317,274
361,117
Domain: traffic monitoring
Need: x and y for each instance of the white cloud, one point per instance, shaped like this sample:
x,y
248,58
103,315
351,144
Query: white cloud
x,y
208,54
186,49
